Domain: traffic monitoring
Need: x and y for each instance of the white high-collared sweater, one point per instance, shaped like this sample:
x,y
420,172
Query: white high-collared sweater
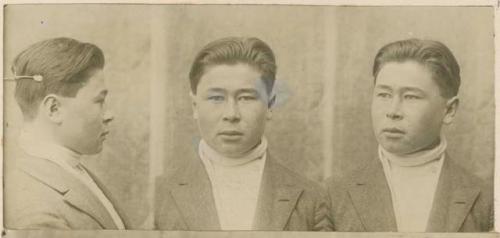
x,y
413,180
235,184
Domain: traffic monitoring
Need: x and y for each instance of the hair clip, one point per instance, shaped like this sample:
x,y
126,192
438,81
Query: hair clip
x,y
38,78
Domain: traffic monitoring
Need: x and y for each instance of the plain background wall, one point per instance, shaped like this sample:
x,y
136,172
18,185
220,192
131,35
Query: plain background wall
x,y
321,126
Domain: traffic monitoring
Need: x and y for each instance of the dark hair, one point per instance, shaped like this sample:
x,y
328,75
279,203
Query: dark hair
x,y
233,50
433,55
65,65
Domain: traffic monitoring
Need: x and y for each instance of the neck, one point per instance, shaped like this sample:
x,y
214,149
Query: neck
x,y
40,132
37,131
416,158
257,152
33,141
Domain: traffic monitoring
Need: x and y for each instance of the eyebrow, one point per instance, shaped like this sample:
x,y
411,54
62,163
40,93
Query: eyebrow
x,y
405,89
247,90
381,86
216,90
241,90
413,89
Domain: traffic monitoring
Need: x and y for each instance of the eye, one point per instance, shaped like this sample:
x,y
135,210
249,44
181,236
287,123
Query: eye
x,y
247,98
384,95
411,97
216,98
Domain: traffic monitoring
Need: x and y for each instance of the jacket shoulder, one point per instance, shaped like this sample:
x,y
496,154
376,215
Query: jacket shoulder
x,y
342,182
313,199
465,177
171,177
30,203
297,179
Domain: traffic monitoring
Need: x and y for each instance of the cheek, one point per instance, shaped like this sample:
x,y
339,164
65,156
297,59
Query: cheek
x,y
377,113
425,120
254,116
91,119
76,115
208,116
208,109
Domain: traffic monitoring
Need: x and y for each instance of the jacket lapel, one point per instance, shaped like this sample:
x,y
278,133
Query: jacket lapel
x,y
372,200
90,205
192,192
73,191
110,197
278,197
453,200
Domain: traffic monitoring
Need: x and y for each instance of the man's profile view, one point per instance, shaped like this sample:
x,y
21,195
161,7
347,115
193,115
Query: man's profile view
x,y
61,91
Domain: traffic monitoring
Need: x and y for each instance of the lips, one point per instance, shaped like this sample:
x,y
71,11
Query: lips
x,y
230,133
393,130
393,133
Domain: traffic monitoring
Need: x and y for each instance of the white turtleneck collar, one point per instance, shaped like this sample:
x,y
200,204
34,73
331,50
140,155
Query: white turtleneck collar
x,y
206,151
412,181
235,184
415,159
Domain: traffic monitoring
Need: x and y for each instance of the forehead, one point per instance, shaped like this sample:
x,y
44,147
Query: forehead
x,y
230,78
406,74
94,85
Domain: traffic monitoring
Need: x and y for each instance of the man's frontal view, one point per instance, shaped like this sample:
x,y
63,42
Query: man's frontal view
x,y
232,181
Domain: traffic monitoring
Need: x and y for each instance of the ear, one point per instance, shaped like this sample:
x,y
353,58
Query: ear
x,y
193,105
270,106
451,110
51,107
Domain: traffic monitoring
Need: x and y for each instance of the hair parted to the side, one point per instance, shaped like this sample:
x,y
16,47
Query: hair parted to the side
x,y
433,55
234,50
65,65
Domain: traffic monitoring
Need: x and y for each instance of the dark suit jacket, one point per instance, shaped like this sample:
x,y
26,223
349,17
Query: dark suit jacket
x,y
287,201
362,201
39,194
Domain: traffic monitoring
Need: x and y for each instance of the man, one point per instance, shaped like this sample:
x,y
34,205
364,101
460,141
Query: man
x,y
232,182
61,92
413,185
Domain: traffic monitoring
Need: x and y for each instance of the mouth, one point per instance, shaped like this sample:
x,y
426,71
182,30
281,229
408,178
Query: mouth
x,y
230,133
393,132
104,134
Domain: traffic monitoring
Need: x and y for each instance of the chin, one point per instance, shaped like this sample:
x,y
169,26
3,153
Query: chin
x,y
395,149
94,151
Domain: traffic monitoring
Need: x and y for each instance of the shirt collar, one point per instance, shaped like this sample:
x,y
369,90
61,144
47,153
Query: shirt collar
x,y
415,159
207,152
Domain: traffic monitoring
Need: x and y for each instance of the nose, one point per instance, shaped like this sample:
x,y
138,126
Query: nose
x,y
231,112
108,117
394,111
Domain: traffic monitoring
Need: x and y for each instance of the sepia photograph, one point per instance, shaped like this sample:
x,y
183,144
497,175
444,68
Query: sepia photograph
x,y
201,120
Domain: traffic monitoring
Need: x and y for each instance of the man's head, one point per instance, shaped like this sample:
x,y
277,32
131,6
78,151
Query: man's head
x,y
231,84
69,100
416,87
